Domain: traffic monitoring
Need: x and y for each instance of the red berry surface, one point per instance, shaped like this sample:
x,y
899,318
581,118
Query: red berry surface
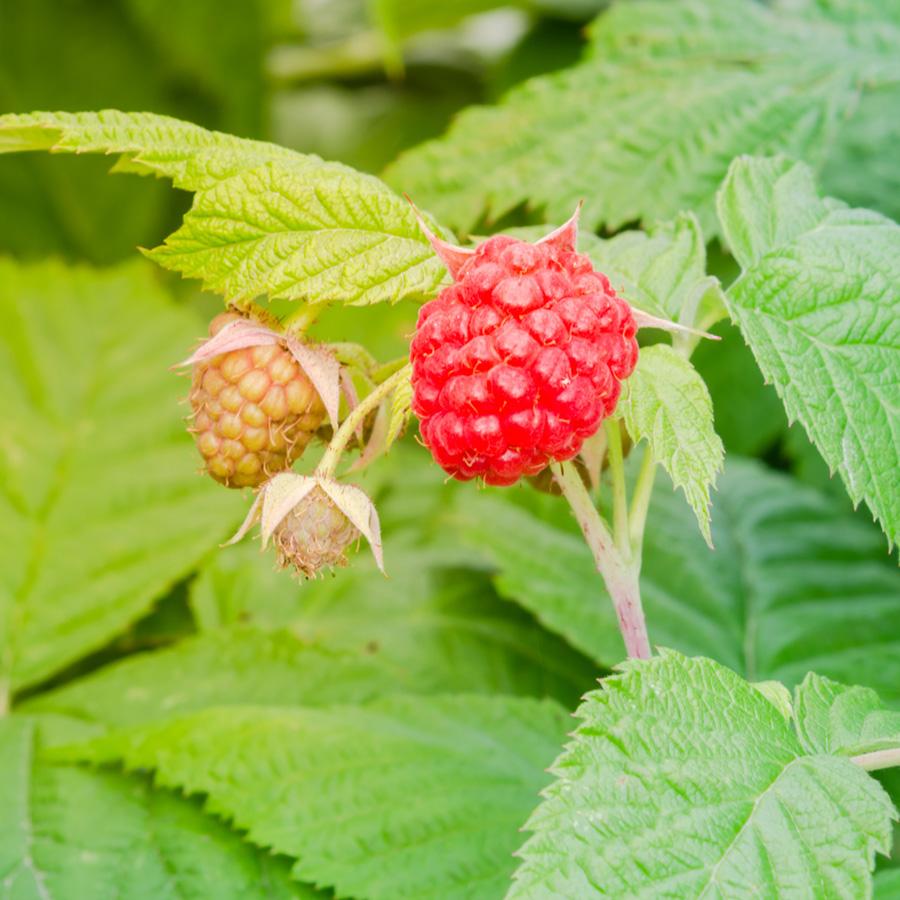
x,y
254,411
519,361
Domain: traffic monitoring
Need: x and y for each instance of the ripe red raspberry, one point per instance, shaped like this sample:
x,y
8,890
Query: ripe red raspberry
x,y
255,410
521,359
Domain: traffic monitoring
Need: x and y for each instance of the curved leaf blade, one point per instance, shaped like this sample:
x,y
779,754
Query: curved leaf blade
x,y
819,305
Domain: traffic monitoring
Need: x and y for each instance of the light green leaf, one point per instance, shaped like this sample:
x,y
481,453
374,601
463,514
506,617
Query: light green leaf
x,y
663,272
666,401
646,125
295,234
237,665
684,781
777,694
836,718
101,509
432,629
401,410
795,584
70,834
407,797
265,220
194,158
819,305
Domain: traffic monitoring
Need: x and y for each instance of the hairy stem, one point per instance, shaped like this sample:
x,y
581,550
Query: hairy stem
x,y
878,759
355,417
620,495
298,323
621,579
640,501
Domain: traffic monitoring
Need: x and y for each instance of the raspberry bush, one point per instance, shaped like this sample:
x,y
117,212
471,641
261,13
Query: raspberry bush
x,y
630,446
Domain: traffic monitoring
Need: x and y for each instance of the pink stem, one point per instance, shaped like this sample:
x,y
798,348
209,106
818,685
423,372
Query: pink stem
x,y
621,579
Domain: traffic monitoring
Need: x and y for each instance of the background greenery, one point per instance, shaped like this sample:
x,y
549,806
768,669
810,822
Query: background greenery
x,y
120,612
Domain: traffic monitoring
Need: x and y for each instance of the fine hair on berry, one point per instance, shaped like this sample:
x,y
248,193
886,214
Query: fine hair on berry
x,y
519,360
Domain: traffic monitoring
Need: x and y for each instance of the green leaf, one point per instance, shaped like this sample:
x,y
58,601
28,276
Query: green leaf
x,y
406,797
818,303
401,410
795,584
663,271
303,234
101,508
433,629
666,402
265,219
194,158
646,125
836,718
236,665
777,694
684,781
70,834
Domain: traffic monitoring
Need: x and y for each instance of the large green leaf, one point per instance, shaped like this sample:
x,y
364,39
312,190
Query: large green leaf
x,y
795,584
237,665
818,303
684,781
101,507
407,797
265,219
70,834
433,629
666,402
647,124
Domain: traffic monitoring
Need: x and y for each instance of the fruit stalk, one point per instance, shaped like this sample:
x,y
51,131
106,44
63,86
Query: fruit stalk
x,y
878,759
619,576
344,434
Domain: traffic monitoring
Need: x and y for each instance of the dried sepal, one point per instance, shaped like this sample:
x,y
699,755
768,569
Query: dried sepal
x,y
312,521
453,257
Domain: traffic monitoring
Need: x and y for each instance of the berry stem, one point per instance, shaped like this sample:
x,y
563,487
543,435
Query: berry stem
x,y
640,501
620,577
620,494
299,322
878,759
355,417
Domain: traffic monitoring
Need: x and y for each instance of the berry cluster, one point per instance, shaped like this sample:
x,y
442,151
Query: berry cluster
x,y
519,361
254,411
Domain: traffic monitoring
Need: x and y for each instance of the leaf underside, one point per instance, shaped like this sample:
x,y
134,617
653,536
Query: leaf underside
x,y
647,124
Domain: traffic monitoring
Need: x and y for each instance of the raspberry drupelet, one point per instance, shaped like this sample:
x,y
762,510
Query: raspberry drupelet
x,y
521,359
